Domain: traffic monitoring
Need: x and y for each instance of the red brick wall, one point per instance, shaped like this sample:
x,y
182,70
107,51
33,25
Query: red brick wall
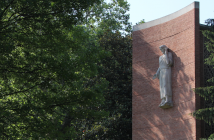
x,y
149,122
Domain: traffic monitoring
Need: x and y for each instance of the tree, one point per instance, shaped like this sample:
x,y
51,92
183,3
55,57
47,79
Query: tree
x,y
207,93
210,22
109,22
110,16
48,66
117,70
52,69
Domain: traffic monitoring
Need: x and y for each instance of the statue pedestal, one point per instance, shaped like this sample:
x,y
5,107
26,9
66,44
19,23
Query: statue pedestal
x,y
166,105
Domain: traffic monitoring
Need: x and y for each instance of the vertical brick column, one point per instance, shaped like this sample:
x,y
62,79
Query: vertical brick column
x,y
180,33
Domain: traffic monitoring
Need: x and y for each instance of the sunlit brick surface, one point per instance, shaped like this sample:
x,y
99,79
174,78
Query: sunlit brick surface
x,y
149,122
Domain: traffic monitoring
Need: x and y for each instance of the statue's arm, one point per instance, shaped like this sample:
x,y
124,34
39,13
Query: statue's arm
x,y
167,56
156,75
170,59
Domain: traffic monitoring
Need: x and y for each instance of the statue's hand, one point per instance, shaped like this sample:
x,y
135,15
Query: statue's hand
x,y
154,76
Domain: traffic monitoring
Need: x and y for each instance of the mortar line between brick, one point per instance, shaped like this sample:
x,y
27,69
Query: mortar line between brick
x,y
167,36
136,62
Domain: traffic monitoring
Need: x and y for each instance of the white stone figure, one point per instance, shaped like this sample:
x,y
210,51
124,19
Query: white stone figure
x,y
164,75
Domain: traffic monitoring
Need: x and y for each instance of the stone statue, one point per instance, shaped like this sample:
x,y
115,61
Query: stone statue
x,y
164,75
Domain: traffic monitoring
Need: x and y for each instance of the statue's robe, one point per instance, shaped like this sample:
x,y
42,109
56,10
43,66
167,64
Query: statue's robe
x,y
165,76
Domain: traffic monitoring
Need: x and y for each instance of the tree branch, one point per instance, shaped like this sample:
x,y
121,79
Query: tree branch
x,y
6,8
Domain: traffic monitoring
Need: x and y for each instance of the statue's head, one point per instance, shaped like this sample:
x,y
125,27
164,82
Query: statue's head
x,y
163,48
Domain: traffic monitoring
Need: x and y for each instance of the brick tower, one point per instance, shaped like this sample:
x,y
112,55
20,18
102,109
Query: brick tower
x,y
180,32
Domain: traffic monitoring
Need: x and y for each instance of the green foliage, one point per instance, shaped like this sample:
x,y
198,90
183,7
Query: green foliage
x,y
57,59
49,72
109,23
141,22
108,16
116,69
211,136
207,93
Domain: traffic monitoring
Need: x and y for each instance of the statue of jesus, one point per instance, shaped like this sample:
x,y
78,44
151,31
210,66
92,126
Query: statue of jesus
x,y
164,75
